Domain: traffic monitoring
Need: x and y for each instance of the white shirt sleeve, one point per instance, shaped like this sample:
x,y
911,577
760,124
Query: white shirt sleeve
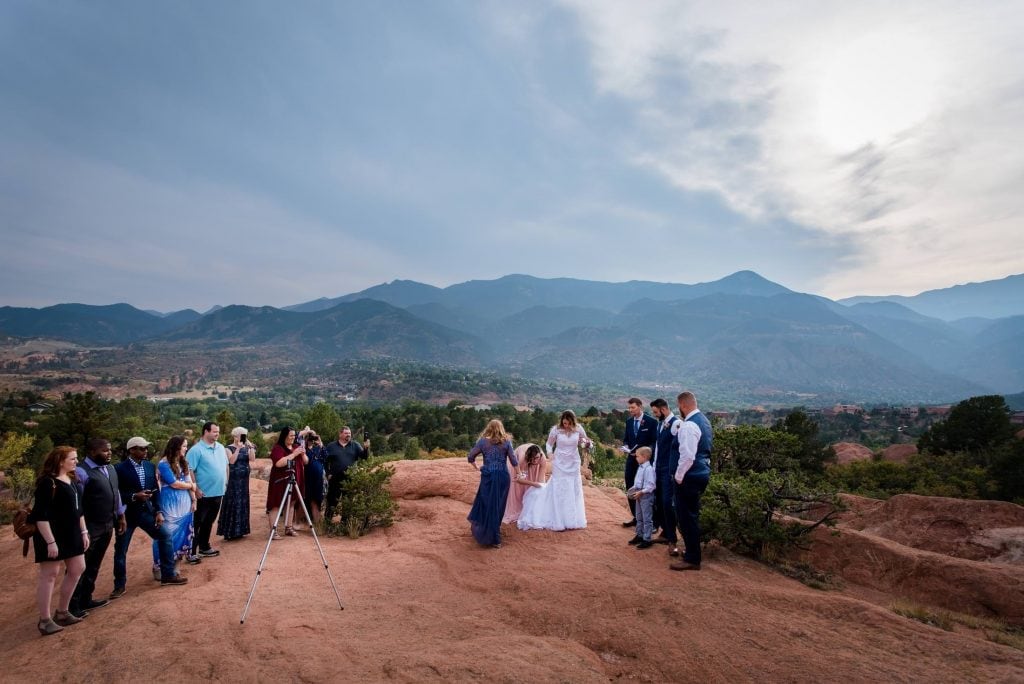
x,y
689,437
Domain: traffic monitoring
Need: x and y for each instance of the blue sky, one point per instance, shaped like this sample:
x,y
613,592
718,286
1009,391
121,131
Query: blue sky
x,y
185,154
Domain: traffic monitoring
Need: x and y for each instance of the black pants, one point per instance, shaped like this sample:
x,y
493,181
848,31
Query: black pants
x,y
666,493
688,513
631,467
205,516
334,492
99,542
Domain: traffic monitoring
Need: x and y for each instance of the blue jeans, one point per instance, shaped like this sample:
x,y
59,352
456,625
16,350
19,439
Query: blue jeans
x,y
688,513
147,523
645,516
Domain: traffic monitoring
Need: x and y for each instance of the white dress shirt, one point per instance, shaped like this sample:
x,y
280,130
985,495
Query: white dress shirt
x,y
688,434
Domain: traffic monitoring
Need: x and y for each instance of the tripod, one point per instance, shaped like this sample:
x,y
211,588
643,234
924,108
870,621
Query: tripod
x,y
285,502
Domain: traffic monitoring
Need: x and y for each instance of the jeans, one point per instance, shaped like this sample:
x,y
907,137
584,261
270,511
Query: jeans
x,y
645,516
99,542
147,523
666,493
203,519
688,512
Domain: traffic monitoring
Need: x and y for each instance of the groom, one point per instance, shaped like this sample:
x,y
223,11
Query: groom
x,y
641,430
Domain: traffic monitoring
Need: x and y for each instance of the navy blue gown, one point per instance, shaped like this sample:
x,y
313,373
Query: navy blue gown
x,y
234,511
489,505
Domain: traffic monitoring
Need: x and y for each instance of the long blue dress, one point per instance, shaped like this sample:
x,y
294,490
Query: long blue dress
x,y
489,505
177,507
314,492
234,511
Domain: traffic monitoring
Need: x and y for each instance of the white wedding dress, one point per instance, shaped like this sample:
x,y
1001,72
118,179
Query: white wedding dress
x,y
558,505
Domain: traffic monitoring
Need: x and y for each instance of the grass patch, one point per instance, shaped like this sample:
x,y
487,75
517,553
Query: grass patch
x,y
994,630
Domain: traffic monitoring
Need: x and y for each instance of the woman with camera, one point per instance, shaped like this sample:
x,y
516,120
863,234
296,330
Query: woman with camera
x,y
60,536
315,485
287,456
234,513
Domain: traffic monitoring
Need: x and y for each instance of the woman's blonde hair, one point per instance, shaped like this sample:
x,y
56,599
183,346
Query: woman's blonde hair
x,y
495,432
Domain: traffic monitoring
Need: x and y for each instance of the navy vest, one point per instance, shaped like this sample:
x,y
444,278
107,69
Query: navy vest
x,y
668,450
702,461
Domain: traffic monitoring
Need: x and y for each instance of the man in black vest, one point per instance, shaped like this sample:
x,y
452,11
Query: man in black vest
x,y
640,431
101,506
341,455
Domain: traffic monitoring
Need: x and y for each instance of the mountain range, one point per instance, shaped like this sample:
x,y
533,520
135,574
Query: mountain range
x,y
742,335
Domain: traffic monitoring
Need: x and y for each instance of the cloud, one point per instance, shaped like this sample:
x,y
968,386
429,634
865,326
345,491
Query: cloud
x,y
897,128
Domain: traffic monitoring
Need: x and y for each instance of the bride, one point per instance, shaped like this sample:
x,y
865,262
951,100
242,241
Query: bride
x,y
558,503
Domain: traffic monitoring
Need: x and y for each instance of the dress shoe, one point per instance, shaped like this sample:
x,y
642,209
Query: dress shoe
x,y
630,523
117,593
644,545
176,579
674,551
662,540
92,604
683,565
635,540
48,626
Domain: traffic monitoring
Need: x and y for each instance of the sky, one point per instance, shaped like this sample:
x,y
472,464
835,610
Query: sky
x,y
187,154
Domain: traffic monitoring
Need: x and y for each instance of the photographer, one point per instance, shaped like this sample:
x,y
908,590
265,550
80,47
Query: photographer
x,y
342,455
315,483
286,457
234,512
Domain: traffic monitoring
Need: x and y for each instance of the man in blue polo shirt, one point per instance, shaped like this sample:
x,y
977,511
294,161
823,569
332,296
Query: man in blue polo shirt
x,y
209,463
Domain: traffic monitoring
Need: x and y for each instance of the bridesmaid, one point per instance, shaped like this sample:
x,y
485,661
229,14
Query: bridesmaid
x,y
234,513
531,472
60,536
489,505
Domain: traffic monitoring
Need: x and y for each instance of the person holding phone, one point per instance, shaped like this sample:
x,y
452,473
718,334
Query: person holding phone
x,y
234,511
342,455
315,484
136,480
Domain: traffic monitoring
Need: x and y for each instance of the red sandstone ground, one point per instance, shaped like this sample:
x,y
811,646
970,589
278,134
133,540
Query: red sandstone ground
x,y
423,602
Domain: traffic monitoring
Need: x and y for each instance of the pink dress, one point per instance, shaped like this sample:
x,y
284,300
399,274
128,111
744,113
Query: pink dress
x,y
535,473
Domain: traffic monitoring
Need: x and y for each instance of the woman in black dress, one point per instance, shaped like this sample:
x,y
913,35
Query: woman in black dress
x,y
60,536
234,513
314,492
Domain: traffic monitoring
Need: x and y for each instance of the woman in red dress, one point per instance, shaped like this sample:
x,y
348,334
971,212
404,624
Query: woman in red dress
x,y
285,455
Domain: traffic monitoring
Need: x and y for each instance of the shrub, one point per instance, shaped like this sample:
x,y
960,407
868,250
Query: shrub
x,y
365,501
743,511
412,449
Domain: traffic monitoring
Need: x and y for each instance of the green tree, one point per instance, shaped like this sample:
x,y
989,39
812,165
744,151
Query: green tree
x,y
78,418
812,452
412,449
324,419
975,426
753,448
13,448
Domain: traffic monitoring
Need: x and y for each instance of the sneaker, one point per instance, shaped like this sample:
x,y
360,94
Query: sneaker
x,y
117,593
77,612
193,559
176,579
635,540
645,544
93,604
209,553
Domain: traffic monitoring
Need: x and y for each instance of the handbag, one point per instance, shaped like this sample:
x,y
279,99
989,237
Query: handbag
x,y
23,524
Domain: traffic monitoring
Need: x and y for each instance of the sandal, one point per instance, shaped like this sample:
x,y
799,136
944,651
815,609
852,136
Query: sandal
x,y
275,536
65,618
289,531
48,626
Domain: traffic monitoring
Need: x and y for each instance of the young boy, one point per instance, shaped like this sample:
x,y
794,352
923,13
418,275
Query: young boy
x,y
642,492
